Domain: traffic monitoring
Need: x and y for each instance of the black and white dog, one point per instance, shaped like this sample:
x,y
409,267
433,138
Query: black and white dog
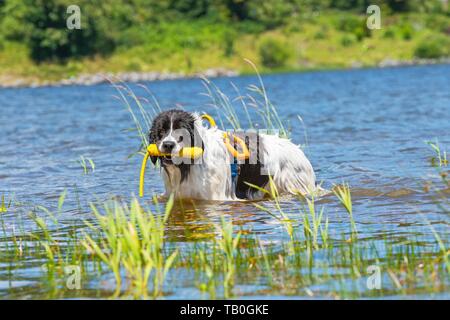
x,y
213,177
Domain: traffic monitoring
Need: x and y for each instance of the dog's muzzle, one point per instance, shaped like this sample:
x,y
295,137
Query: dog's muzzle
x,y
152,151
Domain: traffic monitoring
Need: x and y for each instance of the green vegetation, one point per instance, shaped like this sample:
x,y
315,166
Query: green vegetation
x,y
134,249
433,47
190,36
83,161
131,238
3,206
440,160
255,101
274,53
258,108
129,244
344,195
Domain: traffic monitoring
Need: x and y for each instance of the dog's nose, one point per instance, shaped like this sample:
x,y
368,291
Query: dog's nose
x,y
168,146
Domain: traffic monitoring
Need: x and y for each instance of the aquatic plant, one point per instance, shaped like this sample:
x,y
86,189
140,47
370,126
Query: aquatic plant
x,y
441,156
343,193
312,224
142,109
3,206
228,244
129,243
256,99
84,161
133,239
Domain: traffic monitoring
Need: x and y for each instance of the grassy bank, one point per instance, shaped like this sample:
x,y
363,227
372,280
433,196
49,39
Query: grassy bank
x,y
313,41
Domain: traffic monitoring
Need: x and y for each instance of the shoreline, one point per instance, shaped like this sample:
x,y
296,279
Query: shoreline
x,y
135,77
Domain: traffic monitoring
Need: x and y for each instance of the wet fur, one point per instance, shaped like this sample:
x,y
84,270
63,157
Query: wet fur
x,y
161,126
211,178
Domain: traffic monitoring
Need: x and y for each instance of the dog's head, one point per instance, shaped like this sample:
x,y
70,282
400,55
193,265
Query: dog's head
x,y
173,130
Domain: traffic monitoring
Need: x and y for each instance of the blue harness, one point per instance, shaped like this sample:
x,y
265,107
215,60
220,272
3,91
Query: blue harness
x,y
234,173
234,170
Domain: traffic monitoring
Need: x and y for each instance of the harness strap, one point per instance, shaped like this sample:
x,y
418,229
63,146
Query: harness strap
x,y
244,155
210,119
234,168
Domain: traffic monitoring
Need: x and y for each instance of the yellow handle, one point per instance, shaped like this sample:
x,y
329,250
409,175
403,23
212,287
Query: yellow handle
x,y
240,156
152,150
141,178
192,152
210,119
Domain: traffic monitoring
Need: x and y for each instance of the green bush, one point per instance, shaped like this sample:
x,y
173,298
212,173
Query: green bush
x,y
354,25
41,24
389,33
248,26
270,13
433,47
175,25
274,53
132,37
176,37
321,34
406,31
438,22
347,40
292,27
228,43
13,15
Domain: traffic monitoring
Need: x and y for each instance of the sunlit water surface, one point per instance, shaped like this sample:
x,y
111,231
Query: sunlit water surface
x,y
364,127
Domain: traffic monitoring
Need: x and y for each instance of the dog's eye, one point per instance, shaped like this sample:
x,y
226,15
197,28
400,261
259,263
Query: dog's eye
x,y
180,139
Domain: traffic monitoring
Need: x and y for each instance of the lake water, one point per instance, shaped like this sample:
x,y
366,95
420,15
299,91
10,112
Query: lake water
x,y
365,127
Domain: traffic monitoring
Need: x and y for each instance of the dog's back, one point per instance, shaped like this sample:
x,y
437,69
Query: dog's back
x,y
279,158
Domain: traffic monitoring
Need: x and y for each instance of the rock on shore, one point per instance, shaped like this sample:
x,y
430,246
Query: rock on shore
x,y
97,78
398,63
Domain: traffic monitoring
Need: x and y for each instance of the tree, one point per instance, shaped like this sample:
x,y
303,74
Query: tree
x,y
41,24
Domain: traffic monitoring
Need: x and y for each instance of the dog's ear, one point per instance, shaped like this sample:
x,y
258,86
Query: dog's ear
x,y
153,159
197,140
151,139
